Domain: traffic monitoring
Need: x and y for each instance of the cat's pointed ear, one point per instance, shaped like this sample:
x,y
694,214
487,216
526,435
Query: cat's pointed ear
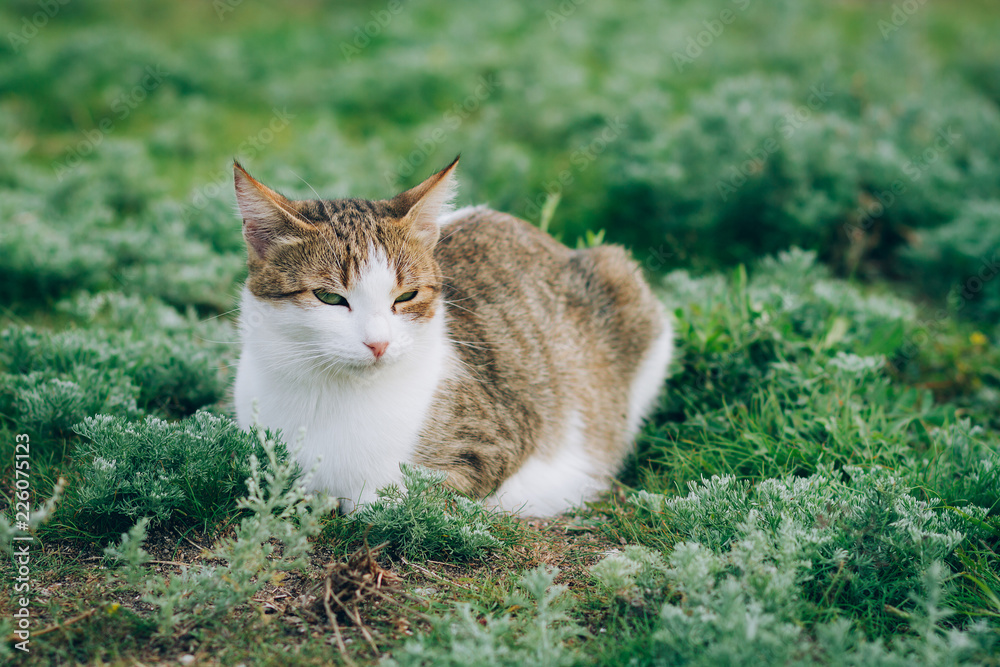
x,y
269,218
422,207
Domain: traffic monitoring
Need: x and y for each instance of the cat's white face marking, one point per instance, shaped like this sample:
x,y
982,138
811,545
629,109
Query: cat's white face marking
x,y
359,338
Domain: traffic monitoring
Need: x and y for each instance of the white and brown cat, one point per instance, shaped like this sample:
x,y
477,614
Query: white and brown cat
x,y
397,331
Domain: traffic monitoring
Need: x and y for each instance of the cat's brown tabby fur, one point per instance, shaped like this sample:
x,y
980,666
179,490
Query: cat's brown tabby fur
x,y
472,342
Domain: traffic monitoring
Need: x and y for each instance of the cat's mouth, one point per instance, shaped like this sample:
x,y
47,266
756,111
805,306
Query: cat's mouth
x,y
383,361
369,365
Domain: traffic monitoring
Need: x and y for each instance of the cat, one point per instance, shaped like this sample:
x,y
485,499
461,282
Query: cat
x,y
399,331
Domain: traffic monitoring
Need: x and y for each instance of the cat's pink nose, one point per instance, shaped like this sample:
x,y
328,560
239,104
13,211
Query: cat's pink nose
x,y
378,349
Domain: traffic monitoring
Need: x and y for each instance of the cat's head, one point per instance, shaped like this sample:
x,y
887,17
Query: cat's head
x,y
342,286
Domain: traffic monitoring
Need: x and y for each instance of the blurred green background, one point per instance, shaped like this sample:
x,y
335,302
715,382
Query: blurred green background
x,y
702,134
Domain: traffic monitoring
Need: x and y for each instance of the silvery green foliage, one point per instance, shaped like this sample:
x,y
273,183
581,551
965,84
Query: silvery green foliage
x,y
279,511
158,469
136,355
736,168
39,257
636,573
724,623
969,246
536,637
49,404
757,563
426,520
858,525
109,223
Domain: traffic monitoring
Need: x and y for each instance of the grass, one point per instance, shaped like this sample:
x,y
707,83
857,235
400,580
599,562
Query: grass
x,y
821,482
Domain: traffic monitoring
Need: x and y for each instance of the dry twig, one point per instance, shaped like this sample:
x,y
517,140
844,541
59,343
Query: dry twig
x,y
347,584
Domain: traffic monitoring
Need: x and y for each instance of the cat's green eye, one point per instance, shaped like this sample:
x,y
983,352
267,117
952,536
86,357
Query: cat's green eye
x,y
406,296
330,298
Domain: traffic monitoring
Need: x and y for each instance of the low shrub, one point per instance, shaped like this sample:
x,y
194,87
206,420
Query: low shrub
x,y
189,472
959,262
802,570
426,520
129,357
278,511
469,637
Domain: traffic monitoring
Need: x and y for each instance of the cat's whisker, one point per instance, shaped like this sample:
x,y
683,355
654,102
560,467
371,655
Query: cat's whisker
x,y
308,355
221,315
303,352
478,346
473,370
457,300
331,365
310,187
450,303
454,230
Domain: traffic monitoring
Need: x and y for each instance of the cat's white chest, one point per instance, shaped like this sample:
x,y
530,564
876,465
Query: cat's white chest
x,y
356,431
